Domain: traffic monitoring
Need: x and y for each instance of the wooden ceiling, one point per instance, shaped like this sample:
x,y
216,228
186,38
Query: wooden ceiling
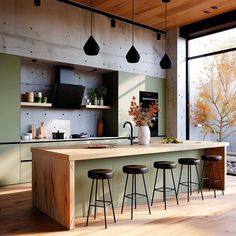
x,y
151,12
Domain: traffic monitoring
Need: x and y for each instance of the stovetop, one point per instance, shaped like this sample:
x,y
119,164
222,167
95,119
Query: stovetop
x,y
81,135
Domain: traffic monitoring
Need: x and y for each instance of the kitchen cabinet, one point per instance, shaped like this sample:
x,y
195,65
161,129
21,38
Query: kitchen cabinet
x,y
9,98
122,87
9,164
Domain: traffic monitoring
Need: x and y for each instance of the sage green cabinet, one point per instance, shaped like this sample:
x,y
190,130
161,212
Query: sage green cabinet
x,y
9,98
9,164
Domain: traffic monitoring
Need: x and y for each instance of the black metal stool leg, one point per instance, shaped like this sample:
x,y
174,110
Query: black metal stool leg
x,y
209,176
190,173
104,204
199,184
188,181
201,180
127,176
96,191
221,185
164,187
145,188
90,199
154,187
114,217
132,198
180,175
213,178
176,196
135,193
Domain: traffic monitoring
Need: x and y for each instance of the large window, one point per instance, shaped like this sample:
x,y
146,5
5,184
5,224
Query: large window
x,y
212,87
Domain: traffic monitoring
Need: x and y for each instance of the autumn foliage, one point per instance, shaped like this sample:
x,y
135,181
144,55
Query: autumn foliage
x,y
214,109
143,116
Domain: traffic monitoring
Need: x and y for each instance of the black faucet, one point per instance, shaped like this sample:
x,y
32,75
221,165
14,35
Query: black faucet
x,y
131,137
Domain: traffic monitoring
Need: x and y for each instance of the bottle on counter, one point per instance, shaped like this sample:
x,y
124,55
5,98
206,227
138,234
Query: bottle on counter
x,y
100,128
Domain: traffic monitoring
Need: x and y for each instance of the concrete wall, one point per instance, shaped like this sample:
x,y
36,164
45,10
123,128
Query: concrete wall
x,y
57,32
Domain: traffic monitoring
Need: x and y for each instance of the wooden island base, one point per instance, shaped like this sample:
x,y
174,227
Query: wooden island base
x,y
60,185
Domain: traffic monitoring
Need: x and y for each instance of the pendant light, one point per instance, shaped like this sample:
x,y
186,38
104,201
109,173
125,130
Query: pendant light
x,y
165,62
132,55
91,48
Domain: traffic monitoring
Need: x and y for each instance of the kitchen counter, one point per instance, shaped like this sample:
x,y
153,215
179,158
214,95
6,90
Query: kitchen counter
x,y
59,174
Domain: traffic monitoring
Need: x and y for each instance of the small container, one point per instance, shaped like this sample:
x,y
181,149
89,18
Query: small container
x,y
38,97
25,137
29,96
30,135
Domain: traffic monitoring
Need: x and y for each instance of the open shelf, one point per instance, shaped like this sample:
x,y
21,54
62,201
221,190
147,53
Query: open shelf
x,y
35,104
96,107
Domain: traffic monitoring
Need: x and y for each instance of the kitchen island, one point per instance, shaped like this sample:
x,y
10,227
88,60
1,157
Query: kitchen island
x,y
60,185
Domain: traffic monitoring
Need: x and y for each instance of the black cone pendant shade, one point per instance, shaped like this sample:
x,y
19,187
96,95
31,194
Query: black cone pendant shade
x,y
165,62
132,55
91,47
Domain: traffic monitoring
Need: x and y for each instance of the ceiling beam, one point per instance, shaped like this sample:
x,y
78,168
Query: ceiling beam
x,y
209,26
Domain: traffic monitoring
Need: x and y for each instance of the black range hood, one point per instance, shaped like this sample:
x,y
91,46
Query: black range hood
x,y
65,93
67,96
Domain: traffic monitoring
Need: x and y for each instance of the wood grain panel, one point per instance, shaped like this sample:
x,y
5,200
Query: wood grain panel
x,y
222,165
152,12
53,187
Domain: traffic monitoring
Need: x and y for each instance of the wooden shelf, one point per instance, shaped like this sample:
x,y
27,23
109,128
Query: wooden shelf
x,y
96,107
35,104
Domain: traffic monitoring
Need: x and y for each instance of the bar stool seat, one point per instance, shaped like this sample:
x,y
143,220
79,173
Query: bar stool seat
x,y
134,170
100,174
164,165
211,178
211,157
189,162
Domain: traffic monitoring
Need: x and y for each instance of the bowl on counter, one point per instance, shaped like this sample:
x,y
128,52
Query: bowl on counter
x,y
25,137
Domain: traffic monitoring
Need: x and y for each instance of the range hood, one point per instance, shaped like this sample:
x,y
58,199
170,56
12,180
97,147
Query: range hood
x,y
67,96
64,93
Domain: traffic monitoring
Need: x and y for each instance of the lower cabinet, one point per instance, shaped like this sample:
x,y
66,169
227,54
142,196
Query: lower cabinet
x,y
26,172
9,164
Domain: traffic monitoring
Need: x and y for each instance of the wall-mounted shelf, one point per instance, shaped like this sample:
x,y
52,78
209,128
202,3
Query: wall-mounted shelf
x,y
35,104
96,107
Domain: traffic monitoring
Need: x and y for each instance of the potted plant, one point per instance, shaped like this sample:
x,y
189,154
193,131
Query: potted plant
x,y
143,118
93,94
102,93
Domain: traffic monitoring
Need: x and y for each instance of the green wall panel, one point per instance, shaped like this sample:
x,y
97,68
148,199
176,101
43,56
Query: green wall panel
x,y
9,98
9,164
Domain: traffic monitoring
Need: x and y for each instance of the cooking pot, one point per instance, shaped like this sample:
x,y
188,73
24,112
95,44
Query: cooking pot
x,y
57,135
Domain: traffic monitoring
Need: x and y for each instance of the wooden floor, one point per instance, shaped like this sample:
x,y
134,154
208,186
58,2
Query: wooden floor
x,y
197,218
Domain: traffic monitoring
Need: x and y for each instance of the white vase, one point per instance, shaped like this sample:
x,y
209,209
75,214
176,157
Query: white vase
x,y
143,135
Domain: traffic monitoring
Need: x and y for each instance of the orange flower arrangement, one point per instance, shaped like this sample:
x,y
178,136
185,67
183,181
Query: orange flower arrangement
x,y
143,116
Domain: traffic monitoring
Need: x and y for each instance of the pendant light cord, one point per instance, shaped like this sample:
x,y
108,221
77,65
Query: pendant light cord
x,y
91,16
165,24
132,28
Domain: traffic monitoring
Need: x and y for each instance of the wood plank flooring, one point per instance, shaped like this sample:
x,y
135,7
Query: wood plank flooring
x,y
211,217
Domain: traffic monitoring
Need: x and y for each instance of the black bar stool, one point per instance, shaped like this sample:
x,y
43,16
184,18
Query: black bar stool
x,y
100,174
134,170
189,162
211,159
164,165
